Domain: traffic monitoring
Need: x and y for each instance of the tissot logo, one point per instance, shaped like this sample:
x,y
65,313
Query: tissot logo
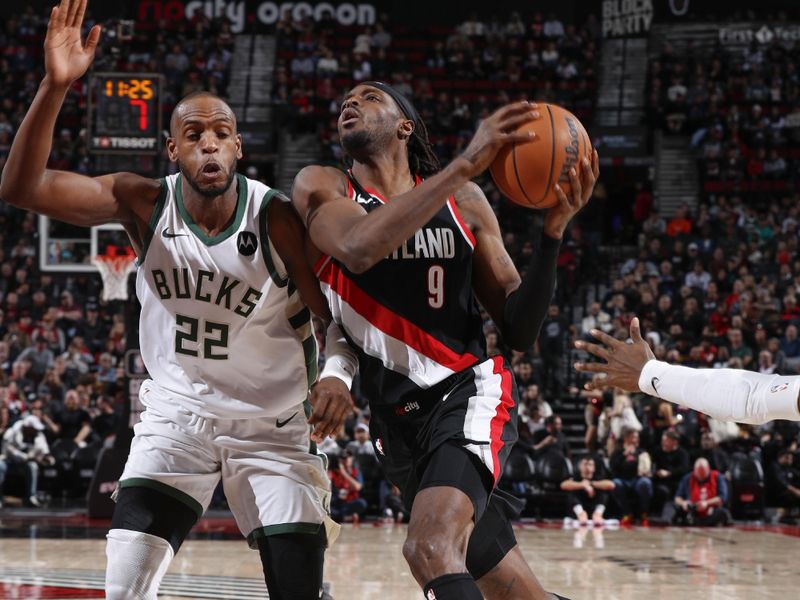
x,y
247,243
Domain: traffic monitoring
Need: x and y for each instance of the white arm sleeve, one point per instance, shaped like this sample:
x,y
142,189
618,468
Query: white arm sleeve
x,y
725,394
341,360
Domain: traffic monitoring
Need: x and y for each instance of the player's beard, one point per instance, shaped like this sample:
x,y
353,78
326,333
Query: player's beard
x,y
361,143
209,192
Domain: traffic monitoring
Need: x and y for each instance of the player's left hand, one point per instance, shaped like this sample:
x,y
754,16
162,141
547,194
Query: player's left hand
x,y
624,362
581,181
332,404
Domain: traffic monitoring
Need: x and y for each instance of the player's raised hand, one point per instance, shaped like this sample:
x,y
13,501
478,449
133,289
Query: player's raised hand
x,y
497,130
581,180
66,56
624,362
332,403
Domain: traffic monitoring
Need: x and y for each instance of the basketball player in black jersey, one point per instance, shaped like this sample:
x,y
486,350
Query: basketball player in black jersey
x,y
406,251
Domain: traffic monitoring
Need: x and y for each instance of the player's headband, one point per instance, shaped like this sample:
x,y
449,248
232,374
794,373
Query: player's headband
x,y
404,103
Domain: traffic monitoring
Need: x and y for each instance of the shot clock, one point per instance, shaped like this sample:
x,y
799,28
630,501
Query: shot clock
x,y
124,113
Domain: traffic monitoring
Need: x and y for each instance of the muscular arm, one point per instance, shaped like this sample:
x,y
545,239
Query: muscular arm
x,y
287,234
725,394
27,183
341,228
518,306
68,197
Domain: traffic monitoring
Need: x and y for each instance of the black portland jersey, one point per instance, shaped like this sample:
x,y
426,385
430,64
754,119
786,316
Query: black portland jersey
x,y
412,317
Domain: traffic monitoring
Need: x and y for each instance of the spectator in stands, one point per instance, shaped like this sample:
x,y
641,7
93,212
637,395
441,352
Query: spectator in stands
x,y
391,500
698,278
670,464
633,487
588,495
381,39
73,423
346,484
783,480
553,344
24,445
738,349
104,419
551,438
617,417
40,358
361,445
553,27
702,497
680,223
709,449
596,319
790,346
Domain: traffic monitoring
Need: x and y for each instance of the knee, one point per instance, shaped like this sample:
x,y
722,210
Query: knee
x,y
119,592
433,553
644,485
33,467
136,563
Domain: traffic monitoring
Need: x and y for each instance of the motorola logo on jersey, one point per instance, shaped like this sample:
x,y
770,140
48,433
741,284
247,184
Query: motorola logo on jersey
x,y
247,243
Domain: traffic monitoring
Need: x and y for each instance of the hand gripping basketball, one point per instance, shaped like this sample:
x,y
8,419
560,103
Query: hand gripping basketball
x,y
500,128
66,57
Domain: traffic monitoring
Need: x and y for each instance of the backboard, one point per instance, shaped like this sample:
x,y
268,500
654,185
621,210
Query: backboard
x,y
67,248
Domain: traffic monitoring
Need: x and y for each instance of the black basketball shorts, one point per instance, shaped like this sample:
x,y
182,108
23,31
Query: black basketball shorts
x,y
460,436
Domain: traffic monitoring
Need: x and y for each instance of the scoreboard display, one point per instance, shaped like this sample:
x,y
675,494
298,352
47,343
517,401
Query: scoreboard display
x,y
124,113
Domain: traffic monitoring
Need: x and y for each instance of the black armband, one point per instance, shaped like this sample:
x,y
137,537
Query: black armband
x,y
526,307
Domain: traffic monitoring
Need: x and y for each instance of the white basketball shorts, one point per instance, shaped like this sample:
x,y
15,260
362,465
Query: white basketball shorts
x,y
273,483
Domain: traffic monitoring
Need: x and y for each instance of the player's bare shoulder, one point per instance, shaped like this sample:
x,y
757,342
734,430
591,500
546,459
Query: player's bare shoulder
x,y
137,193
315,184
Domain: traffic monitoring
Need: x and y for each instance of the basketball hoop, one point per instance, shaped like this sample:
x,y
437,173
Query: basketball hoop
x,y
114,268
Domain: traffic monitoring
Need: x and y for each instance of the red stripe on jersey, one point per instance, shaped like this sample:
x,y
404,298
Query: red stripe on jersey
x,y
461,224
501,414
393,324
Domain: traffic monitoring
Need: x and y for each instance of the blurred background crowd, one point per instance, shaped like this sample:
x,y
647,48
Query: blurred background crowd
x,y
715,282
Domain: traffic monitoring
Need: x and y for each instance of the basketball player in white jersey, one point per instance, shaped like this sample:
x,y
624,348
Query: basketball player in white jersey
x,y
725,394
226,336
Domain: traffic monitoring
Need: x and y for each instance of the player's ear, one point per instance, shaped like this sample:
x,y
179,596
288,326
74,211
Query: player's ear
x,y
239,147
172,149
406,129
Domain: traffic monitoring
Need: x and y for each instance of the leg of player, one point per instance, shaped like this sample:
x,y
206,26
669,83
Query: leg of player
x,y
292,565
495,560
512,579
147,529
436,545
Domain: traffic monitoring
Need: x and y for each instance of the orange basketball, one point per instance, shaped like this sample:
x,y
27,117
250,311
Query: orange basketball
x,y
527,172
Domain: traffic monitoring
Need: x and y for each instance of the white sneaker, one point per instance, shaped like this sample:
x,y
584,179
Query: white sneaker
x,y
34,502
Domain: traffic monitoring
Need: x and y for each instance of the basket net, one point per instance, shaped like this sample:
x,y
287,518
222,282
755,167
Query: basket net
x,y
114,268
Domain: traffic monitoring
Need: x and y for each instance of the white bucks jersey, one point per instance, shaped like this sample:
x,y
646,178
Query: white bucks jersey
x,y
223,330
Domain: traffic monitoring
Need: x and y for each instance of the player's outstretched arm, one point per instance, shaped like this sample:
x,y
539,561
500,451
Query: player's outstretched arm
x,y
26,182
725,394
342,229
519,305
